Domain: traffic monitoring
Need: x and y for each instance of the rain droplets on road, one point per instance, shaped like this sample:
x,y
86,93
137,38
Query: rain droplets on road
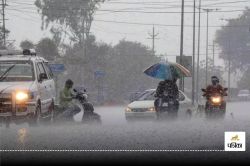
x,y
193,133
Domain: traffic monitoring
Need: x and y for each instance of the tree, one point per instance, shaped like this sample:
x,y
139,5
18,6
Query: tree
x,y
26,44
234,40
73,18
47,48
244,82
128,60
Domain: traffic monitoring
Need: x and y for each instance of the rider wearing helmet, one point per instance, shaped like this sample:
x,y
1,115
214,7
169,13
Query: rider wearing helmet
x,y
215,87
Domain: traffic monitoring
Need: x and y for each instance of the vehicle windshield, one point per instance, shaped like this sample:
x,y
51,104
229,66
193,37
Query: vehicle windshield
x,y
147,96
15,71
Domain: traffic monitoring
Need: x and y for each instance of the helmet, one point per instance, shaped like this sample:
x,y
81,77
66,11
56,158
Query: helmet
x,y
215,80
69,83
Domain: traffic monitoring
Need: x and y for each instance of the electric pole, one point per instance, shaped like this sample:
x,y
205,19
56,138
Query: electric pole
x,y
193,68
229,69
207,10
198,56
3,17
153,36
181,83
213,53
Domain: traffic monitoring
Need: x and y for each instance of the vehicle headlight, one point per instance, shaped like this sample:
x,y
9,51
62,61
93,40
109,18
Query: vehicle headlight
x,y
152,109
216,100
22,96
128,109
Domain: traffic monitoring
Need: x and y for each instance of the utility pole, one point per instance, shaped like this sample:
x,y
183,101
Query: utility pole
x,y
198,56
153,36
181,83
213,53
3,17
193,72
207,10
229,69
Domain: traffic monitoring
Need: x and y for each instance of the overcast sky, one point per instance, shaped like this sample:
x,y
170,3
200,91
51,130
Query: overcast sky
x,y
25,23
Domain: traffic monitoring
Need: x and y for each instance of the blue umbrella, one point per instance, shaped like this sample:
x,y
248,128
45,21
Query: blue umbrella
x,y
167,71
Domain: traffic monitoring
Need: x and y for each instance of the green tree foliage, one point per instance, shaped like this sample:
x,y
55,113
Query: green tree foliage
x,y
123,65
47,48
244,82
72,18
125,69
234,40
26,44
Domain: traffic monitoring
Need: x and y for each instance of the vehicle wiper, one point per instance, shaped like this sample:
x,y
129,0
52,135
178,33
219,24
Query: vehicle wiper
x,y
5,74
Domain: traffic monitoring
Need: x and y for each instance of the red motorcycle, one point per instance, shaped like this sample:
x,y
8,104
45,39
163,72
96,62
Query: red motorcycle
x,y
216,104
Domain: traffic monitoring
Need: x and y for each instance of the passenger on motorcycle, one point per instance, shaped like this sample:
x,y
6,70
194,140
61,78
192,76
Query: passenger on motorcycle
x,y
67,106
215,87
170,88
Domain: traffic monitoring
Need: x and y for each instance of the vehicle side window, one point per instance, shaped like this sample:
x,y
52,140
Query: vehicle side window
x,y
151,96
37,71
48,70
41,69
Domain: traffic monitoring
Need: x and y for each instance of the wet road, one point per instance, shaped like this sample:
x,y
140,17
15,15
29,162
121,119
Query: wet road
x,y
195,133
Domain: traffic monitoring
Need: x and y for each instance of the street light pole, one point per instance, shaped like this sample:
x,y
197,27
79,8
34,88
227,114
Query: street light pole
x,y
207,10
193,69
207,48
213,52
198,54
181,84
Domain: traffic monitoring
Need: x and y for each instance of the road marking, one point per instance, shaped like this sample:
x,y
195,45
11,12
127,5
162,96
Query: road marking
x,y
112,150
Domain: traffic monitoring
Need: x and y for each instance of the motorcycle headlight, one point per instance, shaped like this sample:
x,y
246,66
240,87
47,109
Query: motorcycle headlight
x,y
216,100
22,96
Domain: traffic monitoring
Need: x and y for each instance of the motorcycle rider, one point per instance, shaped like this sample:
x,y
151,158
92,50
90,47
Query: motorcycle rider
x,y
68,107
215,87
171,88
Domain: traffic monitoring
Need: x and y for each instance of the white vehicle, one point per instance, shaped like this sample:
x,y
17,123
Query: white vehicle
x,y
27,88
244,95
143,107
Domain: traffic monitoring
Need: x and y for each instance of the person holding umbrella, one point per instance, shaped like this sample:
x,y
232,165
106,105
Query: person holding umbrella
x,y
167,90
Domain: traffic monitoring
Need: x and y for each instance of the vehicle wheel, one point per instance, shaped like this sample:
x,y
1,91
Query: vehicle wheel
x,y
35,118
51,112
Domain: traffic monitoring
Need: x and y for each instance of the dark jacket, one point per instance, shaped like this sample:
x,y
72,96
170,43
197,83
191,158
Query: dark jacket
x,y
167,86
212,89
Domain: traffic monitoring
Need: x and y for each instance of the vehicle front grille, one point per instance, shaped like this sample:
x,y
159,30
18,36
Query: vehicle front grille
x,y
139,110
5,103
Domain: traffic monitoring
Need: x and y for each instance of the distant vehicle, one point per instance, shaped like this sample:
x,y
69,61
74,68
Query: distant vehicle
x,y
244,95
143,107
27,88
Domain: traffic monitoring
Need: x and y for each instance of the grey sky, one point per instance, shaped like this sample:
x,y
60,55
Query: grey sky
x,y
25,23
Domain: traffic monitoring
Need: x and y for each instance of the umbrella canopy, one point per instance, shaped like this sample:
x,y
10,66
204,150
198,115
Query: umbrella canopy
x,y
167,71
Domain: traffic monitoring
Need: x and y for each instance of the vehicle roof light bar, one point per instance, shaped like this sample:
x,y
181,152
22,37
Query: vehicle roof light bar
x,y
30,52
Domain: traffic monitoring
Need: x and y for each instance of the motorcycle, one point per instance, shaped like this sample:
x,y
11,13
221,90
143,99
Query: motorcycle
x,y
166,107
215,105
80,94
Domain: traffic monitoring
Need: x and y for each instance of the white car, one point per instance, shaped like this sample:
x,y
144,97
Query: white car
x,y
244,95
143,107
27,88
